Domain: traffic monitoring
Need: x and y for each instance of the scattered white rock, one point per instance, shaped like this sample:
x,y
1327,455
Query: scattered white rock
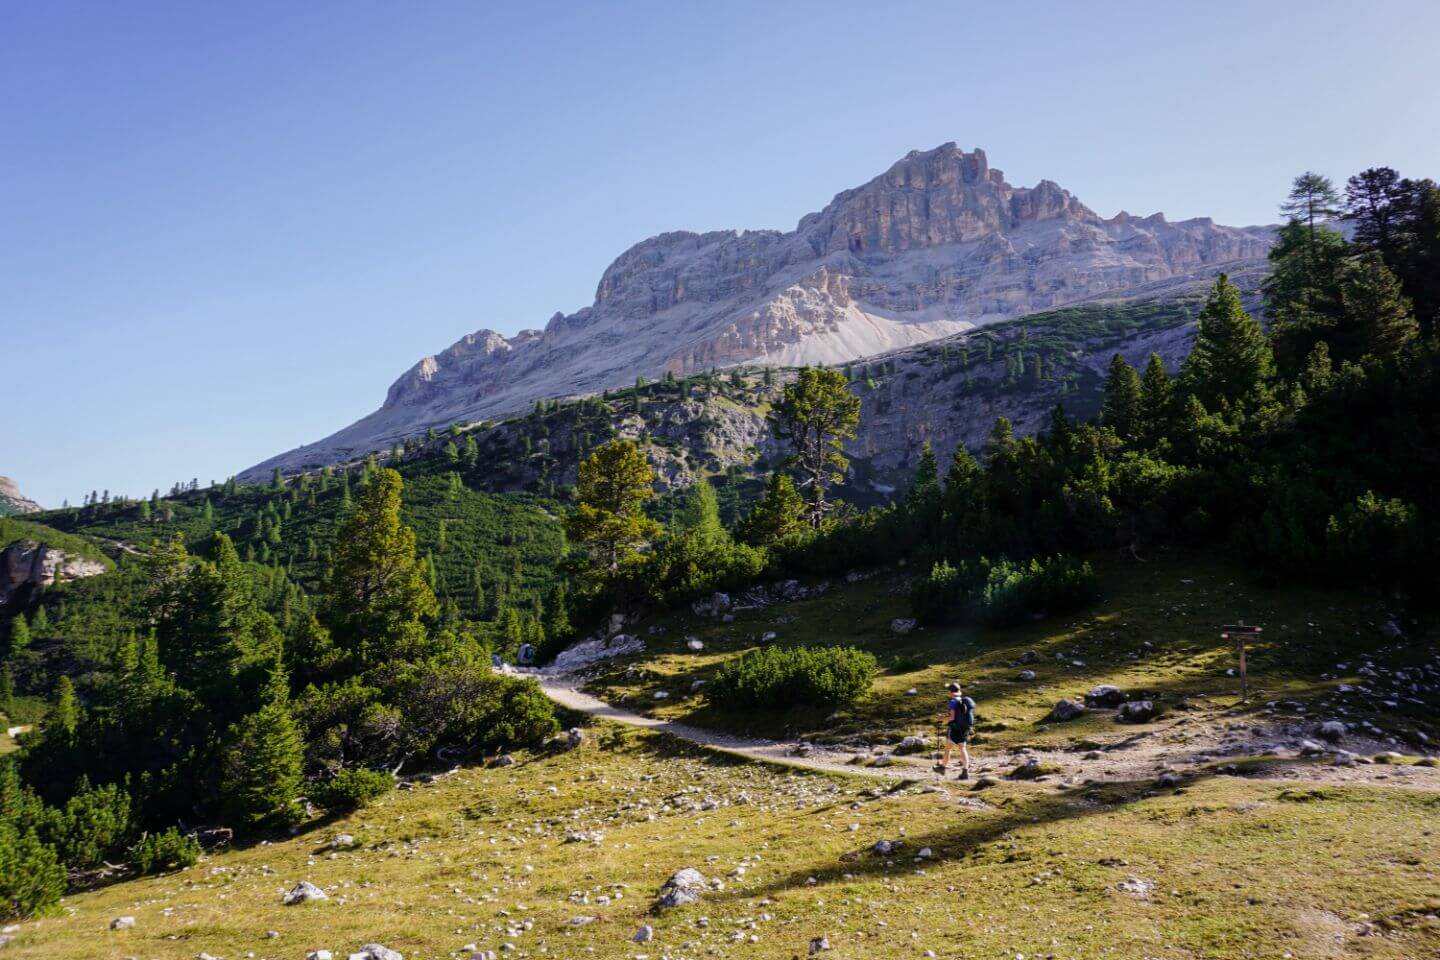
x,y
122,923
303,892
819,944
684,886
645,934
376,951
1136,887
319,955
902,625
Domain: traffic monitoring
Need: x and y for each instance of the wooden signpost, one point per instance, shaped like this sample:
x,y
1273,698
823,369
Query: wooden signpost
x,y
1238,632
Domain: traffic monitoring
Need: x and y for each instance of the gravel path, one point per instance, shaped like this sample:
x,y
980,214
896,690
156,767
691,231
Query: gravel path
x,y
565,691
1181,745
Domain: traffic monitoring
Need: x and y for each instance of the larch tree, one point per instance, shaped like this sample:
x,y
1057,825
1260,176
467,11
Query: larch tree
x,y
609,521
817,414
1312,201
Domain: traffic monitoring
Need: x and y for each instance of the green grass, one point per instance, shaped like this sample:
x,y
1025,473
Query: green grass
x,y
1237,868
1175,604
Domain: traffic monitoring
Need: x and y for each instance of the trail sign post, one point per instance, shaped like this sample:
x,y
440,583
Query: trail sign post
x,y
1238,632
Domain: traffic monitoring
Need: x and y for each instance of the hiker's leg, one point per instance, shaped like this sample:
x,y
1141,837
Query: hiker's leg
x,y
965,753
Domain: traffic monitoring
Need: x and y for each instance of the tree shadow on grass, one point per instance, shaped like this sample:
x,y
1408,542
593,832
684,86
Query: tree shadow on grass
x,y
971,833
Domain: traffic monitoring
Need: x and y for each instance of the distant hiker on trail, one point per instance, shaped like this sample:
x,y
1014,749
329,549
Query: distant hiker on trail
x,y
959,718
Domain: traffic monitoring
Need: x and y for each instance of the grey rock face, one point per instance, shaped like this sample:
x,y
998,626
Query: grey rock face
x,y
26,564
12,501
938,244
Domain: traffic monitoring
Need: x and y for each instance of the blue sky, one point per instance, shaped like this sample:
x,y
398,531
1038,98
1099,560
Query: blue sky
x,y
226,228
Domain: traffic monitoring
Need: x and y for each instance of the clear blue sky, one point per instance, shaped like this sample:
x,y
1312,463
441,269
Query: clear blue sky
x,y
226,228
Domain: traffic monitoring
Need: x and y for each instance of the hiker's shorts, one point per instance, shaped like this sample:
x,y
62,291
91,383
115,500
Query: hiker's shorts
x,y
959,734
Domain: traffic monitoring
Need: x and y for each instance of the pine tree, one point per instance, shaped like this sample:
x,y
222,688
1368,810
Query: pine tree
x,y
277,480
263,767
7,690
1376,309
1230,362
778,514
64,718
145,511
18,639
1155,401
699,512
1375,202
1120,408
40,623
470,453
557,615
376,586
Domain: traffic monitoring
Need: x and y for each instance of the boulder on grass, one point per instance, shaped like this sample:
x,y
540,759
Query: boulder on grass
x,y
1105,695
1138,711
684,886
1064,710
912,744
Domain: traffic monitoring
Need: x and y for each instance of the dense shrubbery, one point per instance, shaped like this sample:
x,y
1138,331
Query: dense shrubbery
x,y
1016,591
1002,592
167,850
779,677
354,788
32,879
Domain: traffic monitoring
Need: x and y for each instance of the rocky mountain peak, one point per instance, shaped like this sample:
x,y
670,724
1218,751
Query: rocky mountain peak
x,y
937,244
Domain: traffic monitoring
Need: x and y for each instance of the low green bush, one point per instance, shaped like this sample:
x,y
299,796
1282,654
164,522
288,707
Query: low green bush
x,y
32,878
167,850
777,677
1017,591
353,789
1002,591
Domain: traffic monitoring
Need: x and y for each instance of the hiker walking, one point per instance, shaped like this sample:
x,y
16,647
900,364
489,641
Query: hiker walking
x,y
959,718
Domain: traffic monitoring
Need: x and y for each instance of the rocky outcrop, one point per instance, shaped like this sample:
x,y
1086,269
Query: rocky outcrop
x,y
26,565
938,244
12,501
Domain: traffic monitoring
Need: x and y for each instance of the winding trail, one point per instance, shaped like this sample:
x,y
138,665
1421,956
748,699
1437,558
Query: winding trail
x,y
565,690
1170,746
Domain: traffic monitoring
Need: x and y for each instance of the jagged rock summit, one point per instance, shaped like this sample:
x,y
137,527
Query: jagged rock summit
x,y
13,501
937,244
